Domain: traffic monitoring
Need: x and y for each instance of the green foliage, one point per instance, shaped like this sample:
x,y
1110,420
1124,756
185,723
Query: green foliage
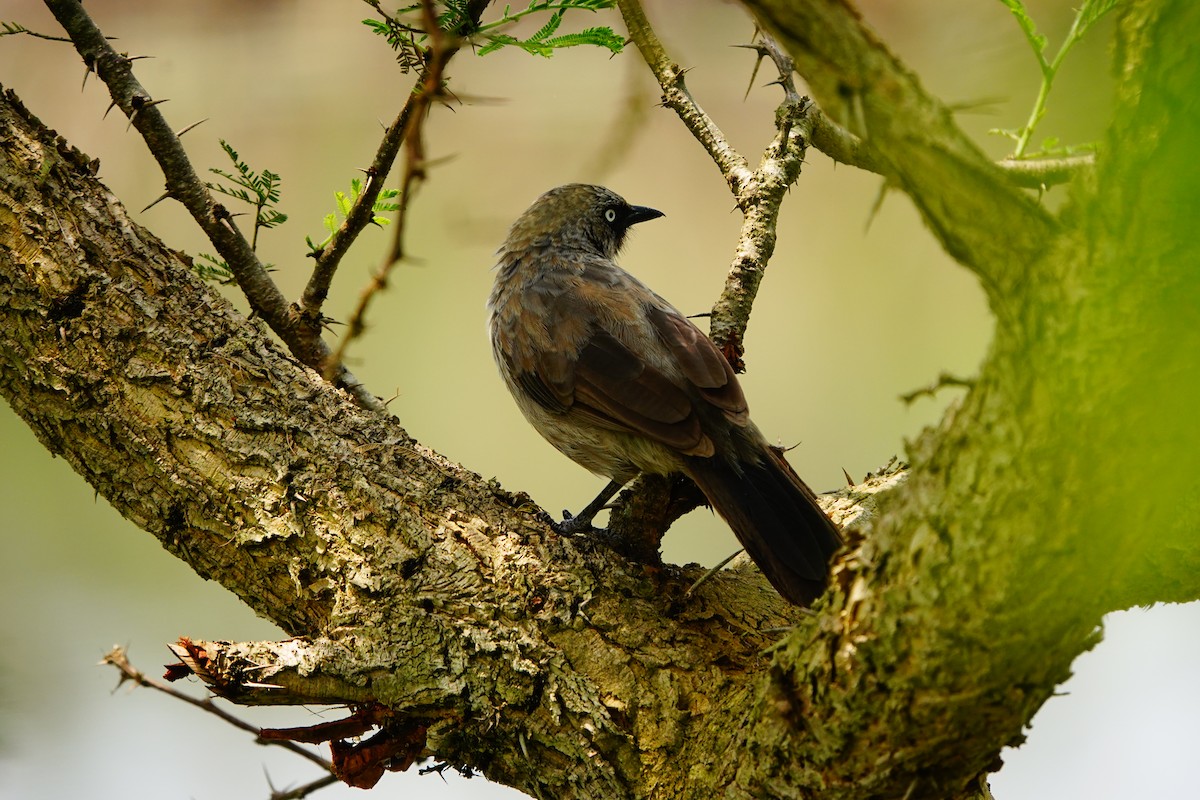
x,y
259,189
406,40
543,42
405,36
345,202
210,268
1086,16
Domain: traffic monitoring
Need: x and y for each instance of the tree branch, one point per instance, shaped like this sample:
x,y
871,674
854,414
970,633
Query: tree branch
x,y
361,214
118,658
676,97
1029,173
442,48
913,142
758,193
183,184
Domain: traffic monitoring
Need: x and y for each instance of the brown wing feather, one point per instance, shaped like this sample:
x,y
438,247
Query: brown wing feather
x,y
611,380
607,383
614,388
701,362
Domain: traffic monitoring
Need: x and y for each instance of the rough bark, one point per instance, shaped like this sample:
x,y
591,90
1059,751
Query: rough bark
x,y
1058,489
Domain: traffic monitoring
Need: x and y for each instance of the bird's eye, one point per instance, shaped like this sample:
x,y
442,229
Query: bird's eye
x,y
610,214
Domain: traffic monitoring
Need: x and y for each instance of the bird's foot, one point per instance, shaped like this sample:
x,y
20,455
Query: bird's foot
x,y
572,525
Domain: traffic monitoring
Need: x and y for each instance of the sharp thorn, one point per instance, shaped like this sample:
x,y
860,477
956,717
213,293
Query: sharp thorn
x,y
160,198
189,127
111,106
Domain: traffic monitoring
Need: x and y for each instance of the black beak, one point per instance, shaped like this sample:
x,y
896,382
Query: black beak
x,y
638,214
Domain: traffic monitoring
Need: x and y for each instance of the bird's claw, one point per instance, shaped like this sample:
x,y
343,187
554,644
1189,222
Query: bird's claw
x,y
572,525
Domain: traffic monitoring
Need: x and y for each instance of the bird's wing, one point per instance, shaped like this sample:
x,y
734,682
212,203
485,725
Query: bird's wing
x,y
665,396
700,361
613,384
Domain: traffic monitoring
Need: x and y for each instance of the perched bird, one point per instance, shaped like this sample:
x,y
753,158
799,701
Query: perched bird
x,y
622,383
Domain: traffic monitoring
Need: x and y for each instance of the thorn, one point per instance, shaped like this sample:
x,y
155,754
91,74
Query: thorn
x,y
849,480
160,198
711,572
139,103
111,106
370,173
270,785
89,67
189,127
757,47
877,205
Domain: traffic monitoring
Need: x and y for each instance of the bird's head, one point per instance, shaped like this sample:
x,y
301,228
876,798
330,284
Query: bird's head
x,y
578,215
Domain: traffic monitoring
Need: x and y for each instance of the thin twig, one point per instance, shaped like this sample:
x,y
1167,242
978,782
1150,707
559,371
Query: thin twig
x,y
1040,173
363,210
717,568
14,29
759,193
1031,173
943,381
119,658
442,48
677,97
777,171
302,336
304,789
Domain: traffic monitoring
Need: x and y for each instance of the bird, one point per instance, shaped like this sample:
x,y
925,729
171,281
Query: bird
x,y
622,383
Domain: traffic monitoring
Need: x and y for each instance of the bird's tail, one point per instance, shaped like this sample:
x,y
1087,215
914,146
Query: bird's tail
x,y
775,517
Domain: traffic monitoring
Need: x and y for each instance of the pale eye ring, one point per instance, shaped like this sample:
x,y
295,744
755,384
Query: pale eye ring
x,y
610,215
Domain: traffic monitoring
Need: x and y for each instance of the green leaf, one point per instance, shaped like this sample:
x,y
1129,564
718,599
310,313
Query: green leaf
x,y
550,27
211,268
1090,13
1035,39
495,42
601,37
543,42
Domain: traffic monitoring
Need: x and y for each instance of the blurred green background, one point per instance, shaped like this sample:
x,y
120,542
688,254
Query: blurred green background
x,y
855,310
